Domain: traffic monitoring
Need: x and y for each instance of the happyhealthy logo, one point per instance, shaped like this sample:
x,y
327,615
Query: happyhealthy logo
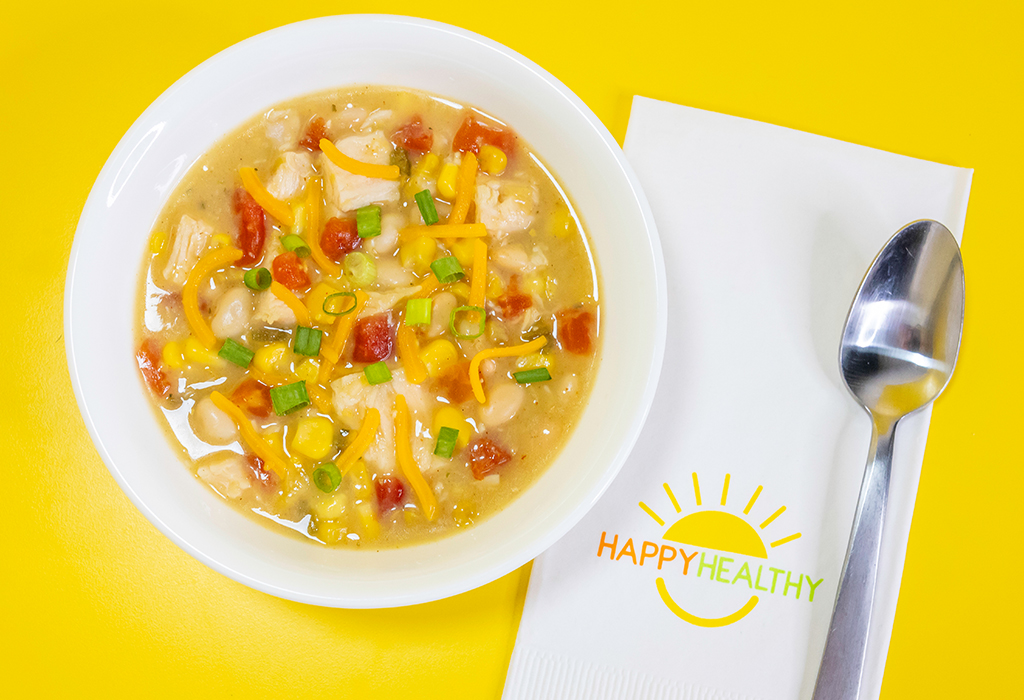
x,y
724,532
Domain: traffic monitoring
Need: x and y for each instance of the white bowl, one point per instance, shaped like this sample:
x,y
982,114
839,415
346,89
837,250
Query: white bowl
x,y
227,90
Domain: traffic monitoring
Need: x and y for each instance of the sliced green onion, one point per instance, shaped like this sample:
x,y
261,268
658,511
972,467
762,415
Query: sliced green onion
x,y
360,268
236,352
307,341
528,376
368,221
455,331
446,439
377,373
428,211
258,278
417,312
447,269
326,477
295,244
335,304
288,398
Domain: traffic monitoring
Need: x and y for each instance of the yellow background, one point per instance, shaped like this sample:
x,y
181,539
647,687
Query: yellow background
x,y
95,603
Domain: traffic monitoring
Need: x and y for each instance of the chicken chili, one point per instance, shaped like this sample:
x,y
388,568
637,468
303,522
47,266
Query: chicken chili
x,y
370,316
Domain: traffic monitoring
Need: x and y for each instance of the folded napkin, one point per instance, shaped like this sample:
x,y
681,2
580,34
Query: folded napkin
x,y
709,568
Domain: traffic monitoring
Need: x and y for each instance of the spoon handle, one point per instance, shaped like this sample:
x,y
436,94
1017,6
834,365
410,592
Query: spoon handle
x,y
842,665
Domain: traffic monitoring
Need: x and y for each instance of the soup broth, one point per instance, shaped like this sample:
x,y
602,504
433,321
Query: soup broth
x,y
369,316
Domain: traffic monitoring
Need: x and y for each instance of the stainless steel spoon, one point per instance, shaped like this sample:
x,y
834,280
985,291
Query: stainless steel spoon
x,y
898,351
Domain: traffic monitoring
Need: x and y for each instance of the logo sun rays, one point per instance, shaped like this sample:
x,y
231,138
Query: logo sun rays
x,y
718,529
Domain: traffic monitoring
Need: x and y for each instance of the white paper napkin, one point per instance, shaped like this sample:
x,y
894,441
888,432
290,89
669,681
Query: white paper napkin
x,y
767,233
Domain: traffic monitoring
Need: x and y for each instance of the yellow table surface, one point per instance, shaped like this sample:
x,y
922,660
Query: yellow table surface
x,y
96,603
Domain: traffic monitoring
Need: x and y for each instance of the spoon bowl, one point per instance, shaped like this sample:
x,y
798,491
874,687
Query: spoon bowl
x,y
897,354
903,331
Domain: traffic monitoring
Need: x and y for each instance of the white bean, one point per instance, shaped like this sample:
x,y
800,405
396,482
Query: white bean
x,y
511,257
387,241
444,304
211,424
227,473
232,313
390,274
503,402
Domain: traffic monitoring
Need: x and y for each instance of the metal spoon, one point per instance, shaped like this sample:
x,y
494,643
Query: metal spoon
x,y
898,351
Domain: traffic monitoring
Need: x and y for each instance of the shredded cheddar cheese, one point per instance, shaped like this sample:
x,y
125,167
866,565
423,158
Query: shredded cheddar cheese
x,y
331,350
256,443
313,192
465,188
403,451
356,167
364,438
288,297
271,204
514,350
409,354
446,231
478,281
214,260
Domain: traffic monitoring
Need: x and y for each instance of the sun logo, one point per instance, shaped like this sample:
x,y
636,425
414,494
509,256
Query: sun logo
x,y
718,530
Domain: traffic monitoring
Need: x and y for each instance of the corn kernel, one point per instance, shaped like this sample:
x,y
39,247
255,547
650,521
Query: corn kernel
x,y
463,249
460,289
421,173
361,478
412,516
535,361
417,254
446,180
328,531
172,356
370,526
330,506
452,417
314,302
197,353
495,287
535,283
464,513
270,358
439,356
307,371
220,240
314,437
157,242
562,224
299,214
492,160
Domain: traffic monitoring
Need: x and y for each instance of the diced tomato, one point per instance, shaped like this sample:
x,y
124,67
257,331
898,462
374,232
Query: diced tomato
x,y
454,382
389,493
474,133
252,228
373,338
259,474
575,330
315,130
340,237
485,456
290,271
149,363
254,397
414,136
512,302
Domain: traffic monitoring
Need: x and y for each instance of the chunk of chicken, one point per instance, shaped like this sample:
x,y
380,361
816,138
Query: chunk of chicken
x,y
504,207
190,240
345,191
227,473
283,128
290,176
271,311
382,301
353,395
